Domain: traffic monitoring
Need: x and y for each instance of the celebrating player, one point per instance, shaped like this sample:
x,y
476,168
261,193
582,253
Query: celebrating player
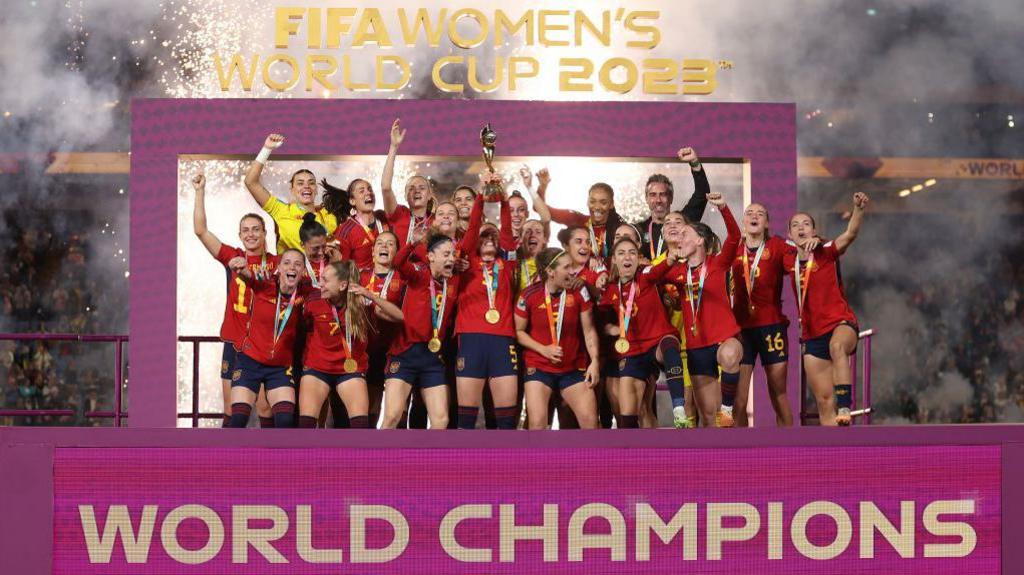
x,y
382,280
419,195
265,357
484,325
551,316
336,345
252,231
360,222
712,336
415,358
287,217
828,326
644,340
757,305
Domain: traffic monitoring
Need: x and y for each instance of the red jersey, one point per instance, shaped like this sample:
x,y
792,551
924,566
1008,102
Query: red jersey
x,y
268,302
239,301
473,299
400,219
325,338
390,289
532,306
715,321
766,277
648,323
825,306
598,234
355,240
416,306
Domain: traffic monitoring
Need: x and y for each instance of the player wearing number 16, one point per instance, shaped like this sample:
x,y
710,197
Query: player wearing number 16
x,y
253,234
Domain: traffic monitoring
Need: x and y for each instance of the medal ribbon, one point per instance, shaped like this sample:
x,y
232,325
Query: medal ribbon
x,y
314,277
624,320
650,239
346,341
281,317
555,326
747,275
491,281
595,245
805,280
695,304
437,315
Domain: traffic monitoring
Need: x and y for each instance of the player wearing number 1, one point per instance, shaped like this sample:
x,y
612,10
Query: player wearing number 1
x,y
757,303
253,233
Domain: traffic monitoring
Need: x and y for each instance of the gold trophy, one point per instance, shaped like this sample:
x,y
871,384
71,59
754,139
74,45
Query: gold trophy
x,y
492,191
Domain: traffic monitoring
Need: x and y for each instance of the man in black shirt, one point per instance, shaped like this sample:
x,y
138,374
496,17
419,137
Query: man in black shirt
x,y
659,194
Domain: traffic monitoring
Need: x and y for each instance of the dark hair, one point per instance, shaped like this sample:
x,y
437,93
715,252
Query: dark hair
x,y
296,250
516,194
814,225
603,187
544,259
661,179
469,189
565,234
252,216
712,244
632,227
302,171
311,228
435,239
338,201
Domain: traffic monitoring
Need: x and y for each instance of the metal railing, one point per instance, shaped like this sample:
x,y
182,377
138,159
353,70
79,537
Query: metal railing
x,y
864,412
195,415
117,414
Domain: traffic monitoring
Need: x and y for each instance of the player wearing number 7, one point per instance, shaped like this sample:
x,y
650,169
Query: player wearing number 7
x,y
758,274
252,232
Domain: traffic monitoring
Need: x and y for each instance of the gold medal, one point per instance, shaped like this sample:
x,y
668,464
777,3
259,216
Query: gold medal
x,y
622,345
492,316
434,345
351,366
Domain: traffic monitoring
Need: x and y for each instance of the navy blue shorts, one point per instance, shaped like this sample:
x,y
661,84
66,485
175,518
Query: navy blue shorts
x,y
611,367
818,346
482,356
703,361
227,360
332,379
556,381
417,366
769,342
250,374
641,366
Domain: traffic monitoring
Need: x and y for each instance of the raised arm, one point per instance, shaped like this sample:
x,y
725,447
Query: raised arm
x,y
860,203
693,211
388,175
733,235
210,241
252,175
472,236
403,265
539,203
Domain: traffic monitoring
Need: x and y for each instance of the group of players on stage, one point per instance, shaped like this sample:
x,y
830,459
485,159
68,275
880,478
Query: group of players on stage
x,y
370,305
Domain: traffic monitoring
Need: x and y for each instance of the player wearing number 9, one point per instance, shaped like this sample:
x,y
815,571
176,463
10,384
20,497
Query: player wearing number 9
x,y
758,275
252,231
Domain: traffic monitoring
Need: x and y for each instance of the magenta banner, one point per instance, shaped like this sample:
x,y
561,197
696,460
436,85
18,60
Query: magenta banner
x,y
803,510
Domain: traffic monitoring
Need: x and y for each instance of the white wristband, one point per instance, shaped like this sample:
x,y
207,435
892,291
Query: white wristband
x,y
264,155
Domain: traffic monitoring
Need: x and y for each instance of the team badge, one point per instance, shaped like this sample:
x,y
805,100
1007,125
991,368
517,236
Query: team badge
x,y
460,364
622,364
531,370
224,366
393,368
236,375
675,371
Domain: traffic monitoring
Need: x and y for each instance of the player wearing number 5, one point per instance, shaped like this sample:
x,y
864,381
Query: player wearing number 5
x,y
757,272
253,234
